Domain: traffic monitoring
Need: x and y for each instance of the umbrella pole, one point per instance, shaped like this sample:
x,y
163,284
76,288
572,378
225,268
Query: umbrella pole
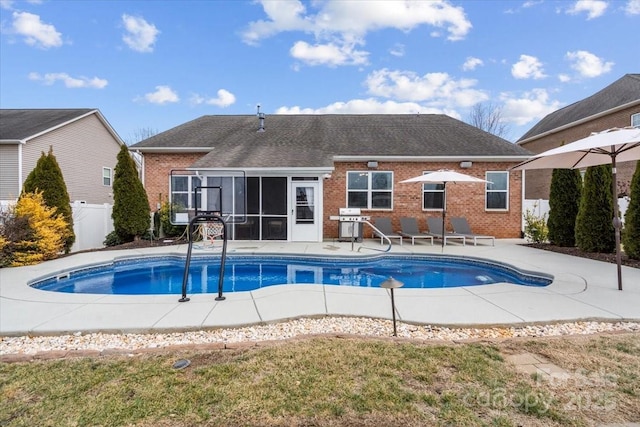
x,y
616,218
444,207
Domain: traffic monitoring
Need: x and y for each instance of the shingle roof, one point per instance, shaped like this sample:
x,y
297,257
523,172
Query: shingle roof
x,y
620,92
22,124
313,140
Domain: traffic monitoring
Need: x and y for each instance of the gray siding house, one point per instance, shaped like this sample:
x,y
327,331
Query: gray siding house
x,y
84,144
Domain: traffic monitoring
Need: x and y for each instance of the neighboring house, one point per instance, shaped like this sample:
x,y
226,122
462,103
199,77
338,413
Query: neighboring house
x,y
83,142
617,105
301,169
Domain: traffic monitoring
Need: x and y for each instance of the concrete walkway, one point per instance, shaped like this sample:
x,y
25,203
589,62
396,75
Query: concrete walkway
x,y
582,290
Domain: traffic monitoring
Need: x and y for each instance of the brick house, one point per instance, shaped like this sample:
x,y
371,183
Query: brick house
x,y
617,105
268,169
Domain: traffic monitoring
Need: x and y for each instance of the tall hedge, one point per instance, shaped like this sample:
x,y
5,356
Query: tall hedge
x,y
631,235
47,178
594,223
564,202
131,213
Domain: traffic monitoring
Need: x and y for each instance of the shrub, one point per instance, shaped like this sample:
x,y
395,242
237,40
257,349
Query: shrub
x,y
594,223
47,178
631,235
13,229
169,229
47,231
131,213
535,228
112,239
564,202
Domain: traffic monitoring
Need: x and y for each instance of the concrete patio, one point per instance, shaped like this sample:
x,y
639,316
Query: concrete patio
x,y
582,289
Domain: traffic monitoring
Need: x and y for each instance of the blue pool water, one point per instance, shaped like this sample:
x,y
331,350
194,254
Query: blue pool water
x,y
164,275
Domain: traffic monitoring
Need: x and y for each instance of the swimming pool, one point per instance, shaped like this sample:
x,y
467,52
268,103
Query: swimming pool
x,y
164,274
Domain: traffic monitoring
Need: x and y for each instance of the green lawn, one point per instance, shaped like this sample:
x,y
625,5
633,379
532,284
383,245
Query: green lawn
x,y
333,382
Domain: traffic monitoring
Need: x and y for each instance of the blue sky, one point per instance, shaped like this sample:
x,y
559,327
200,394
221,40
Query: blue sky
x,y
152,65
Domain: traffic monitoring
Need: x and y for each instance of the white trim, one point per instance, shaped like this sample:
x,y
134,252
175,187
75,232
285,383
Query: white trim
x,y
486,192
370,190
430,158
161,150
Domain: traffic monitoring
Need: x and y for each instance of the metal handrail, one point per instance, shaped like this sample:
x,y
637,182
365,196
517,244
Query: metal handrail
x,y
223,257
382,235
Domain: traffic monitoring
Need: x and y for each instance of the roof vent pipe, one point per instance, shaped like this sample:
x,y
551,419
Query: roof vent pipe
x,y
261,117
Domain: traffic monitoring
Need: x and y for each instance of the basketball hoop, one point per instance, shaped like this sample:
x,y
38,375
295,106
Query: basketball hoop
x,y
211,231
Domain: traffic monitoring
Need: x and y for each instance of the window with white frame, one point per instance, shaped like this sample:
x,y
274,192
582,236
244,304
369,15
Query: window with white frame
x,y
182,191
432,195
370,190
635,119
107,175
497,191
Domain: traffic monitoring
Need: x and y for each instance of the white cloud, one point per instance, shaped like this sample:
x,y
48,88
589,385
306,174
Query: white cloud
x,y
438,89
593,8
224,99
162,95
529,107
328,54
564,78
397,50
369,106
70,82
472,63
35,32
529,67
587,64
140,35
632,7
337,16
336,32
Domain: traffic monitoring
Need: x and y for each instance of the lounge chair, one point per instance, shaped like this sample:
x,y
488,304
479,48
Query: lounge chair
x,y
461,226
435,230
383,226
411,231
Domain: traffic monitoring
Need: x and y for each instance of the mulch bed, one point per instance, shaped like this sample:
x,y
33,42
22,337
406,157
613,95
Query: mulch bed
x,y
611,258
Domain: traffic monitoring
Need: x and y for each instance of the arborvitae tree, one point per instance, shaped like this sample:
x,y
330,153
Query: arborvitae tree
x,y
564,201
631,235
594,223
47,178
131,213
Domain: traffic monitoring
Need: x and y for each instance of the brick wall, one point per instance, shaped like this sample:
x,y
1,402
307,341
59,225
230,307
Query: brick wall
x,y
463,199
538,182
157,169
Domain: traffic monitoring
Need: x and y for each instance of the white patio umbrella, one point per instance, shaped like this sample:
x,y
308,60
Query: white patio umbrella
x,y
609,146
443,176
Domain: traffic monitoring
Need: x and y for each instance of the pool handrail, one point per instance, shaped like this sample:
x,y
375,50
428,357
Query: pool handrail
x,y
382,235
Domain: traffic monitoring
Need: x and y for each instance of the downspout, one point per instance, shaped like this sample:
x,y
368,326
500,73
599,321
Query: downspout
x,y
522,198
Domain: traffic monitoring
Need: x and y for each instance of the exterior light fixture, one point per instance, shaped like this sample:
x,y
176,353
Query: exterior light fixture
x,y
391,284
372,164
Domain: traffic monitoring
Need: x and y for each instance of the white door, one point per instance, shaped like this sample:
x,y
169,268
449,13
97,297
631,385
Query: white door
x,y
305,225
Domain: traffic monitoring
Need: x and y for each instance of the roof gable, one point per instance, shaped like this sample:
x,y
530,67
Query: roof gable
x,y
623,91
24,124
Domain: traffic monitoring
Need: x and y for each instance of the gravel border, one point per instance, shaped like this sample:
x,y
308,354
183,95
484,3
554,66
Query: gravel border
x,y
92,344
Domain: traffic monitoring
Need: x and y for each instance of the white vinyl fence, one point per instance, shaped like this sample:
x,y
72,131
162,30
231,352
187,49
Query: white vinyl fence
x,y
91,223
540,207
